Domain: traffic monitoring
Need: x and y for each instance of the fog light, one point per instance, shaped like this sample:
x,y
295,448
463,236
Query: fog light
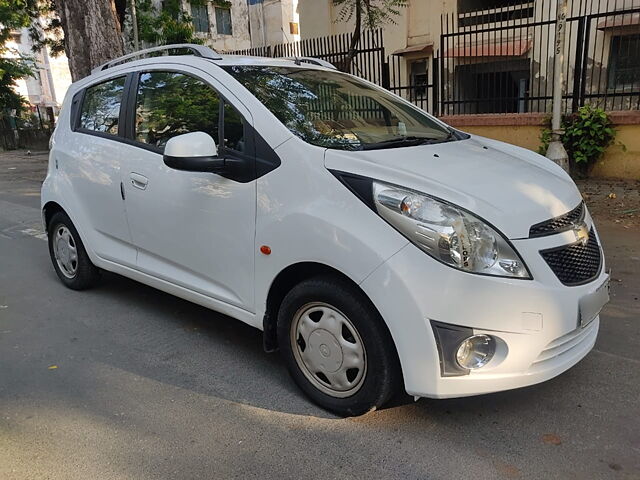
x,y
476,351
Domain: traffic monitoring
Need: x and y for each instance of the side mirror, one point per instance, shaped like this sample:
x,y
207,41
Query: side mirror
x,y
193,152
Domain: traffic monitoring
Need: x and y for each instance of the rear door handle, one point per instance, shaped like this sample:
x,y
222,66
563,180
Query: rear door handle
x,y
138,181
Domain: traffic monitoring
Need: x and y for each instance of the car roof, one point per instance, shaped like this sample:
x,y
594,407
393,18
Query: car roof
x,y
222,60
234,60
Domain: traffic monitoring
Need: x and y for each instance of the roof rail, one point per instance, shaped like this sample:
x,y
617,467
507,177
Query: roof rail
x,y
313,61
197,50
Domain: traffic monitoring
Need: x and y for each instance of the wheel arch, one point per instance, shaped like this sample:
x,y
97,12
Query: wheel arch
x,y
49,210
290,277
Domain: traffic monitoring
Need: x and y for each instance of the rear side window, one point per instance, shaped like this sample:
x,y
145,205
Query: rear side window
x,y
101,106
170,104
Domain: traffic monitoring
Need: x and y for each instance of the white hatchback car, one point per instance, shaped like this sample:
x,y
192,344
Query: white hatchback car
x,y
378,249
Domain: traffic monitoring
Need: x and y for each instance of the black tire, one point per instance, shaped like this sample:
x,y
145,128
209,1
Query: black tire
x,y
383,377
86,274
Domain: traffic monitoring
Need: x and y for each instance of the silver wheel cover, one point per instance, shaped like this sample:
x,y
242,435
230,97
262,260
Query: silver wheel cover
x,y
328,349
65,251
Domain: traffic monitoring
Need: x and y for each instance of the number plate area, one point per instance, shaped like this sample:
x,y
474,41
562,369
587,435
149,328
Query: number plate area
x,y
591,304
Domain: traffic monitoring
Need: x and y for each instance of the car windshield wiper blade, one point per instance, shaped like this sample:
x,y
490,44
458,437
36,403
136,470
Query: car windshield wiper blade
x,y
406,141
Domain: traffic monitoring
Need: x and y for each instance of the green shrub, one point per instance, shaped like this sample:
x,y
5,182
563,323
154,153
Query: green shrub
x,y
587,134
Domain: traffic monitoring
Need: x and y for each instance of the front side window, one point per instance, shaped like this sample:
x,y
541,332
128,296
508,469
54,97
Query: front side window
x,y
170,104
223,21
335,110
101,107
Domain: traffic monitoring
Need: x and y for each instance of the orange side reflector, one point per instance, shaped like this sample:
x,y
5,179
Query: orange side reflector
x,y
265,249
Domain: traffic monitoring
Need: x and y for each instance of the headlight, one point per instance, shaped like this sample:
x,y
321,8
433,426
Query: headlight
x,y
448,233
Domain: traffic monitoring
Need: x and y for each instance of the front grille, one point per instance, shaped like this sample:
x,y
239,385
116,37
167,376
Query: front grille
x,y
558,224
575,264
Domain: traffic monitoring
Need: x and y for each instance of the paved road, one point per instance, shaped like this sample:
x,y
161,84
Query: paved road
x,y
125,382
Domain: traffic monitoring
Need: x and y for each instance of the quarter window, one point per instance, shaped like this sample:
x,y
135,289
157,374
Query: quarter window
x,y
223,21
101,106
170,104
233,129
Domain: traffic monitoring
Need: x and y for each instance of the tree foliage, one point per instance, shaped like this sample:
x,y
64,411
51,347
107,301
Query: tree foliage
x,y
374,13
14,15
165,26
366,14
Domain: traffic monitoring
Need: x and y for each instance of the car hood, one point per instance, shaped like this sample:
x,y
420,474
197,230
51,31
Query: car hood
x,y
508,186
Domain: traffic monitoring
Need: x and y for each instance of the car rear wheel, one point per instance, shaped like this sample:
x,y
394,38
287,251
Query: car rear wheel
x,y
336,346
68,255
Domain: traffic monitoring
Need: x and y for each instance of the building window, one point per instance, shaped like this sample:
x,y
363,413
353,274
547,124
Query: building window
x,y
477,12
465,6
624,62
492,87
294,28
200,15
223,21
419,78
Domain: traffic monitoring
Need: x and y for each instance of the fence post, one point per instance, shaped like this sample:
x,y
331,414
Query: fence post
x,y
578,65
386,76
441,71
585,60
435,85
556,151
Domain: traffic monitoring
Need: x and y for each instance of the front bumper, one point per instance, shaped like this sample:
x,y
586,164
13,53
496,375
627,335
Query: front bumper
x,y
536,320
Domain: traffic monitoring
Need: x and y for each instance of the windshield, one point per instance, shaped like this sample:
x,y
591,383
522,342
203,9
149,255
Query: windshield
x,y
334,110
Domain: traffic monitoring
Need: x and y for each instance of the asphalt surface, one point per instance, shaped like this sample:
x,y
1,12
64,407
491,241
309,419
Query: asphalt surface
x,y
126,382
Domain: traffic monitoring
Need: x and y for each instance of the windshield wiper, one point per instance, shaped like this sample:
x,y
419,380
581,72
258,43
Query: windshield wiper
x,y
405,141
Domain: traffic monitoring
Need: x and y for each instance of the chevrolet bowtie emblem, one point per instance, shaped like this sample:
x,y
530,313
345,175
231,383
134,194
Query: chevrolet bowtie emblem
x,y
581,232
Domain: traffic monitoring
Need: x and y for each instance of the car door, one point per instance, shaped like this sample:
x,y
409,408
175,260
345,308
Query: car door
x,y
192,229
92,161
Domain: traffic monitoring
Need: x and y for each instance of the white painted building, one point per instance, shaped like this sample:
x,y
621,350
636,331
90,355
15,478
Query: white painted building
x,y
52,76
273,21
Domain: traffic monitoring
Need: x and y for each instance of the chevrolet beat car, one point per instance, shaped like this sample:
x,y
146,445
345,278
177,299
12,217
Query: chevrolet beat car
x,y
380,250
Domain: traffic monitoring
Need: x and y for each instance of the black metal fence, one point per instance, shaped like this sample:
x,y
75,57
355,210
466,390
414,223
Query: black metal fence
x,y
498,57
368,62
501,60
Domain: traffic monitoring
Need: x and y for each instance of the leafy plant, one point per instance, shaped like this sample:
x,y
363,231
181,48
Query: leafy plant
x,y
165,26
587,134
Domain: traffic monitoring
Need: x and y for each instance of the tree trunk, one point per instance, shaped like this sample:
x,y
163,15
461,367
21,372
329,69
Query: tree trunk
x,y
355,40
91,34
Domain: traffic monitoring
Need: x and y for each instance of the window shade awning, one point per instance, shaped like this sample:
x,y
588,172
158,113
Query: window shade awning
x,y
514,48
617,21
425,48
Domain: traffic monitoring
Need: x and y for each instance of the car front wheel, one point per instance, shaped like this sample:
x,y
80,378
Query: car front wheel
x,y
336,346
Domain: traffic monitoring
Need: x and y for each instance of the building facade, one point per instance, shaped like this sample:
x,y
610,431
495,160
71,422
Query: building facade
x,y
48,86
221,24
230,25
273,22
497,56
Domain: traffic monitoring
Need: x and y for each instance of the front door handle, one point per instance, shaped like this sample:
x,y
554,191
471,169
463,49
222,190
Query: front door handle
x,y
138,181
